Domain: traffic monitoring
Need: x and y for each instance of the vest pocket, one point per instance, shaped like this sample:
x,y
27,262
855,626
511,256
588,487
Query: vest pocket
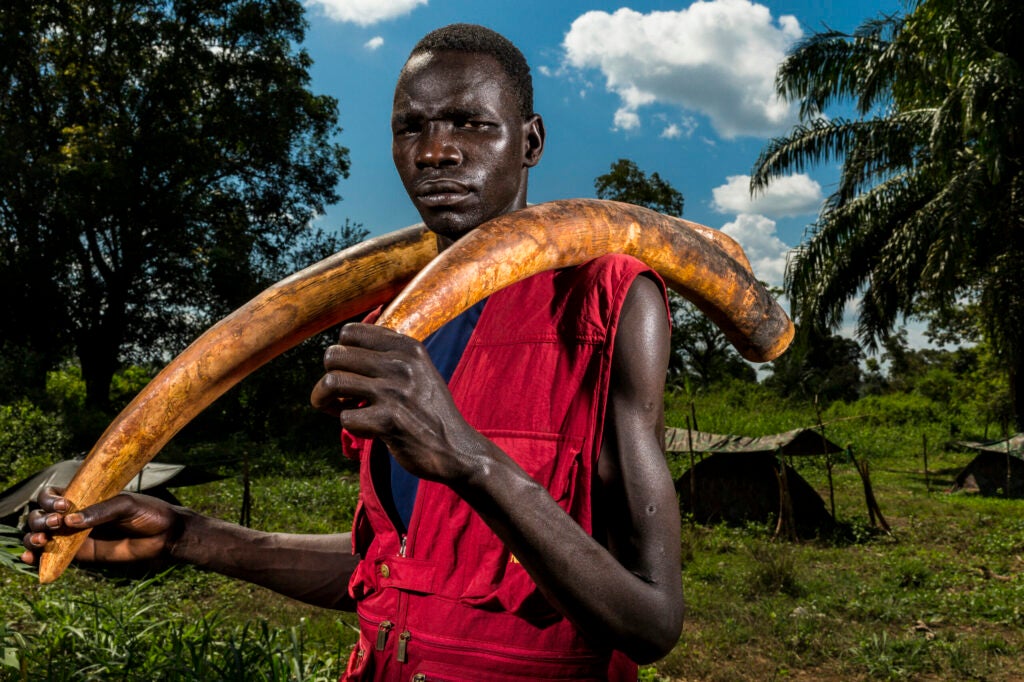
x,y
496,580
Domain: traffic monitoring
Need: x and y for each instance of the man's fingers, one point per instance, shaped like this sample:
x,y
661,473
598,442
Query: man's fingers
x,y
335,385
50,498
371,336
346,358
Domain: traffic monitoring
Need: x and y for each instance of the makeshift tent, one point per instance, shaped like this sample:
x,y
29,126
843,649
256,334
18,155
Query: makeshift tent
x,y
155,479
997,469
742,478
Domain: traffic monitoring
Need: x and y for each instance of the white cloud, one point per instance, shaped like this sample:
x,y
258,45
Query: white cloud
x,y
790,195
374,43
626,119
364,12
671,132
716,57
760,241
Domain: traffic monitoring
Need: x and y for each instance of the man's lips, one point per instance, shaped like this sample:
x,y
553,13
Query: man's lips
x,y
435,193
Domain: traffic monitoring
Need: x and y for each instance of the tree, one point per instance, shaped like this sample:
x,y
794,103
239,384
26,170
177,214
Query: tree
x,y
700,351
626,182
826,366
929,207
701,355
160,159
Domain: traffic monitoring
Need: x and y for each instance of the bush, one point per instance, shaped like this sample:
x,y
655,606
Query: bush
x,y
30,439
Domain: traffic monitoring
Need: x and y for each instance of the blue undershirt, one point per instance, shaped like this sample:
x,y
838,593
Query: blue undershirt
x,y
445,347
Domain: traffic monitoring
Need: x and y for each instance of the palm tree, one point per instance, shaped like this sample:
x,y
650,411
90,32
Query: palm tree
x,y
928,212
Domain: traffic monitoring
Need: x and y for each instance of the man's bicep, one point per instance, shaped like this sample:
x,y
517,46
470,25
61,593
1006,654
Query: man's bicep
x,y
640,513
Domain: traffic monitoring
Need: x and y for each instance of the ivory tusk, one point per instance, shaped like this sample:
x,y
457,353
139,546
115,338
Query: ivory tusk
x,y
704,265
337,288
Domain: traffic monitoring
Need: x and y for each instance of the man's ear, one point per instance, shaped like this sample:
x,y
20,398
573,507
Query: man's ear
x,y
533,140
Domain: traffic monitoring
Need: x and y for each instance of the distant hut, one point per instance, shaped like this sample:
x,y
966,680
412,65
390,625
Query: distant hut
x,y
744,479
997,469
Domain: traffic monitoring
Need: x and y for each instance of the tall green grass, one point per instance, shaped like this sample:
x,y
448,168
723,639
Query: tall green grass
x,y
941,597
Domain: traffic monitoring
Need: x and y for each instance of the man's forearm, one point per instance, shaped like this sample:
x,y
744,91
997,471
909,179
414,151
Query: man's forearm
x,y
581,578
311,568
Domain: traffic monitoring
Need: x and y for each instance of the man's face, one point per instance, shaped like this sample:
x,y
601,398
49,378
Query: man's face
x,y
459,142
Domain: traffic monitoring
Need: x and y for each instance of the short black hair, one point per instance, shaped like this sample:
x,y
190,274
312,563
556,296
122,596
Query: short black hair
x,y
477,39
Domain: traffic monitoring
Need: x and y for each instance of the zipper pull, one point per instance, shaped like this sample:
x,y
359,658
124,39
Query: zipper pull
x,y
382,633
401,548
403,642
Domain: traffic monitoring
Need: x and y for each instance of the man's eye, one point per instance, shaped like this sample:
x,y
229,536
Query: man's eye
x,y
473,124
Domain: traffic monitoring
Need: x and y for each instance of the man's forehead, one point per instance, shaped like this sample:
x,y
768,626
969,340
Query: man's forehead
x,y
459,79
451,64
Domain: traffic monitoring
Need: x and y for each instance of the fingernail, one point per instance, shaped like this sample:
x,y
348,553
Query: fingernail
x,y
73,519
53,521
60,504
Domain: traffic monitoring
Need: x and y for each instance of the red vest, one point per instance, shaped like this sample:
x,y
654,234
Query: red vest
x,y
448,601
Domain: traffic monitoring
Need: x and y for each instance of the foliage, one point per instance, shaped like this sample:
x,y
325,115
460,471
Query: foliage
x,y
11,548
161,158
30,439
911,606
701,355
825,366
626,182
928,212
127,635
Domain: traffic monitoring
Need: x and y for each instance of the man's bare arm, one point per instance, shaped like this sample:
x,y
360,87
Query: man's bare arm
x,y
129,527
627,595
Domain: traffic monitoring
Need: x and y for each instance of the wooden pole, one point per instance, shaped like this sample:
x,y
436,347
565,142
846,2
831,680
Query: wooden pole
x,y
874,511
1006,490
828,458
786,523
693,470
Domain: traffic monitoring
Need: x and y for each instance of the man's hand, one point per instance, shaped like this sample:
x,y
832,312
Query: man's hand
x,y
382,384
127,527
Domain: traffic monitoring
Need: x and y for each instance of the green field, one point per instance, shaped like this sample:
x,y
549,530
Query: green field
x,y
938,598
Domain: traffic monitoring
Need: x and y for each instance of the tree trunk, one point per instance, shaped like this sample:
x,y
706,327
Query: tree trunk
x,y
99,362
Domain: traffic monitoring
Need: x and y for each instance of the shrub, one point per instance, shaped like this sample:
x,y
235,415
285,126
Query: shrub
x,y
30,439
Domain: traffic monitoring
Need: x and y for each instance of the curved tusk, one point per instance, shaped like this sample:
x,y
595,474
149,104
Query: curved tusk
x,y
704,265
337,288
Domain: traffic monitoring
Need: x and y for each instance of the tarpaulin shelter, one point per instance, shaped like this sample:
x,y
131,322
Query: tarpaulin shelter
x,y
798,442
997,469
743,478
154,479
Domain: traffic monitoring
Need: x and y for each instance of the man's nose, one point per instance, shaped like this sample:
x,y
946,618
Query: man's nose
x,y
437,146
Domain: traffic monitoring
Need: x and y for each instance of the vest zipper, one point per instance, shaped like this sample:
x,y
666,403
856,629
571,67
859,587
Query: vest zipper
x,y
403,642
382,633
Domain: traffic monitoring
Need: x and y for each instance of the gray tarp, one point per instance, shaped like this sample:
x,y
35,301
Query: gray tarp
x,y
1013,445
795,442
17,497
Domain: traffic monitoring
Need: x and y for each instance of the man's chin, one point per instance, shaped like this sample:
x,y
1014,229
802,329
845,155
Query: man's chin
x,y
449,224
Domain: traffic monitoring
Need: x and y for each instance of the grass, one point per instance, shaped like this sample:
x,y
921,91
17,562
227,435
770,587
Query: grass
x,y
940,598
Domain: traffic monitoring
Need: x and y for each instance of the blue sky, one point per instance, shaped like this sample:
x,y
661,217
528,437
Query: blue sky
x,y
683,89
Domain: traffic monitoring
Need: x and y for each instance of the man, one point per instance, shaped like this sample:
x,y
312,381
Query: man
x,y
517,519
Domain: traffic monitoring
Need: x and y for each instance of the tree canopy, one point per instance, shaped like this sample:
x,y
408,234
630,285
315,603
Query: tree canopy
x,y
928,212
701,355
626,182
161,160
